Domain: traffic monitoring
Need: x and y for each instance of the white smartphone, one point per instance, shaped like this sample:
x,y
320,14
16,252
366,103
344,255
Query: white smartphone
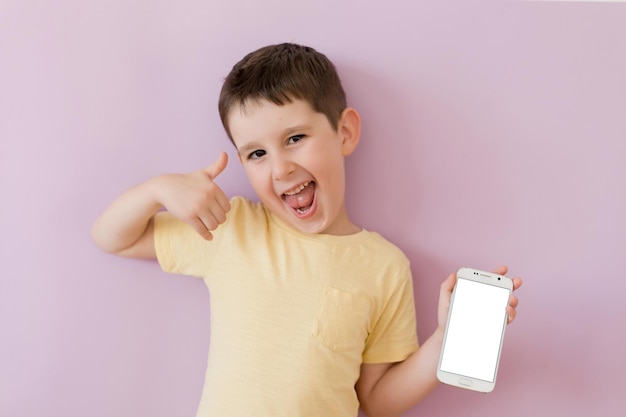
x,y
475,330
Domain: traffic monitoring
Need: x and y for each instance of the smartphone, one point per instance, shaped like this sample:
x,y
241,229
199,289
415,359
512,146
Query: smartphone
x,y
475,330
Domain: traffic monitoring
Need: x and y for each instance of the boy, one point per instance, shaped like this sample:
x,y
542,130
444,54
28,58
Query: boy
x,y
311,314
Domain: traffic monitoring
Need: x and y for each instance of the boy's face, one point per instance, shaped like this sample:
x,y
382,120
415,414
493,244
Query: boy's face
x,y
294,160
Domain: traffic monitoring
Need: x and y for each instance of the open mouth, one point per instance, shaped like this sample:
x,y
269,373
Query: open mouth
x,y
301,198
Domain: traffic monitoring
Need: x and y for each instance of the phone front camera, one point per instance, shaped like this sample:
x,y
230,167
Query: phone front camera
x,y
498,278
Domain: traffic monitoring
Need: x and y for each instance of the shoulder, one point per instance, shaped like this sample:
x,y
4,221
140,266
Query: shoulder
x,y
384,252
247,213
244,205
373,264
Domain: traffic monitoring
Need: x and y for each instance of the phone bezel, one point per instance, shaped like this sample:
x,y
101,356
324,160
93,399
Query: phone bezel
x,y
464,381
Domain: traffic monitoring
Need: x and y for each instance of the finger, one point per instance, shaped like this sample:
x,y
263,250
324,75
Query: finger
x,y
511,308
214,216
448,285
217,167
501,270
218,207
450,281
209,221
223,202
517,282
511,314
198,225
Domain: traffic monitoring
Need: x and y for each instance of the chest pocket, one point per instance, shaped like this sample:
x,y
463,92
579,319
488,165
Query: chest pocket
x,y
342,321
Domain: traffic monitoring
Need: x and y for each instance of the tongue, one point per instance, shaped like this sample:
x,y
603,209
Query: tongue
x,y
303,199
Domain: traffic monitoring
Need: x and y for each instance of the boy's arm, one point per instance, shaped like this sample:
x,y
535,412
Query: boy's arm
x,y
390,389
126,227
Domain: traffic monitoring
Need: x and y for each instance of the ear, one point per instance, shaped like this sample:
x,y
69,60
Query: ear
x,y
349,128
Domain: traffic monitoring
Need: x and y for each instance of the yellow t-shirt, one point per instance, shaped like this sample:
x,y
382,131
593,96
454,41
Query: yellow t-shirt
x,y
293,315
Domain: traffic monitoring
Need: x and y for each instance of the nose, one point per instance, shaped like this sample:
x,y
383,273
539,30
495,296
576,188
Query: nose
x,y
282,167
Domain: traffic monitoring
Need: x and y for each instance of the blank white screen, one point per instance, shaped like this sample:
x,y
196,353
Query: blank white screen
x,y
475,330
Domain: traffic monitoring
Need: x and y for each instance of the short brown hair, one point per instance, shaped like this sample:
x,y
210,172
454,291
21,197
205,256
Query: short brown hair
x,y
281,73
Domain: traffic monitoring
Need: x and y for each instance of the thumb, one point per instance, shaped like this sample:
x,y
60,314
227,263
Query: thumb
x,y
448,285
217,167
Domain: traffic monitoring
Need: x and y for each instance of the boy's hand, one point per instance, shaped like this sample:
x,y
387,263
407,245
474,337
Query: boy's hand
x,y
445,294
195,198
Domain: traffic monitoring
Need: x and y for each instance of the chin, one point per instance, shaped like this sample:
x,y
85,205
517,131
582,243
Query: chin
x,y
311,229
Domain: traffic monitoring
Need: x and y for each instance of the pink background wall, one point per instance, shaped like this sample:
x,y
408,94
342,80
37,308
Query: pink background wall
x,y
493,133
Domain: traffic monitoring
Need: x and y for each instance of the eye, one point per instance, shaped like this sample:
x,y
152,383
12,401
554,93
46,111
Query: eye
x,y
295,138
256,154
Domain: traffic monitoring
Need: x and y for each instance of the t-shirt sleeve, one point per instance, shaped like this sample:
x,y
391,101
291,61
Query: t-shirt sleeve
x,y
179,248
394,334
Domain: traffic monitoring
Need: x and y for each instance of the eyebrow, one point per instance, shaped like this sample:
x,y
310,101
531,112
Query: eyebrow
x,y
295,129
248,147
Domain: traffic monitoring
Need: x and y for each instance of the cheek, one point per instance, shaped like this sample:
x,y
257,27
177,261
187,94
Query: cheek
x,y
251,174
333,170
256,178
327,161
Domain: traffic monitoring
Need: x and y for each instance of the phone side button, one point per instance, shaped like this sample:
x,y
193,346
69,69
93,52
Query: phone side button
x,y
465,381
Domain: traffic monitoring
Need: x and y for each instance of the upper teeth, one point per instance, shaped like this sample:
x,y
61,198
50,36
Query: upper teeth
x,y
297,190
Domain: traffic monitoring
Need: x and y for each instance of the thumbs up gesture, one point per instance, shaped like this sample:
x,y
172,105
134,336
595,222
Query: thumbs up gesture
x,y
195,198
